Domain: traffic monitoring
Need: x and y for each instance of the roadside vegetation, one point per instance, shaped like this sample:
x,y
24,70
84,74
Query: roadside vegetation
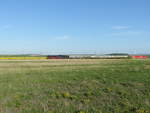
x,y
75,86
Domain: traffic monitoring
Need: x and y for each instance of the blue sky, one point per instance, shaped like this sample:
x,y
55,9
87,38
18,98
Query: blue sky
x,y
74,26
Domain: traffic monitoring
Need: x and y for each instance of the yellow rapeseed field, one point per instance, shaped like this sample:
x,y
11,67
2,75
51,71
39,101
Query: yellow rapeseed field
x,y
23,58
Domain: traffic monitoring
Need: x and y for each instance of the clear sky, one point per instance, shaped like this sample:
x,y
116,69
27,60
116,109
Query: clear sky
x,y
74,26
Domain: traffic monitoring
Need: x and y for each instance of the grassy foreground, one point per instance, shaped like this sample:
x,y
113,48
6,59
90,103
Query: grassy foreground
x,y
75,86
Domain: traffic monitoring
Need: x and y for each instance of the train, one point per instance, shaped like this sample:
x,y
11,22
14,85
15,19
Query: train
x,y
89,56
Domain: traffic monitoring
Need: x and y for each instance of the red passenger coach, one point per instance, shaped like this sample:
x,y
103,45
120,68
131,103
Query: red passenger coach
x,y
140,57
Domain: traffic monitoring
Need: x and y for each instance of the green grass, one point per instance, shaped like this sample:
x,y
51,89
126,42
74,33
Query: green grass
x,y
75,86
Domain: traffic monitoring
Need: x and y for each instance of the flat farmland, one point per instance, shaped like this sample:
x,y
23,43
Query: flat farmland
x,y
75,86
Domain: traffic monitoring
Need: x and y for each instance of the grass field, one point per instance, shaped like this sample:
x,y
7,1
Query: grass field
x,y
75,86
